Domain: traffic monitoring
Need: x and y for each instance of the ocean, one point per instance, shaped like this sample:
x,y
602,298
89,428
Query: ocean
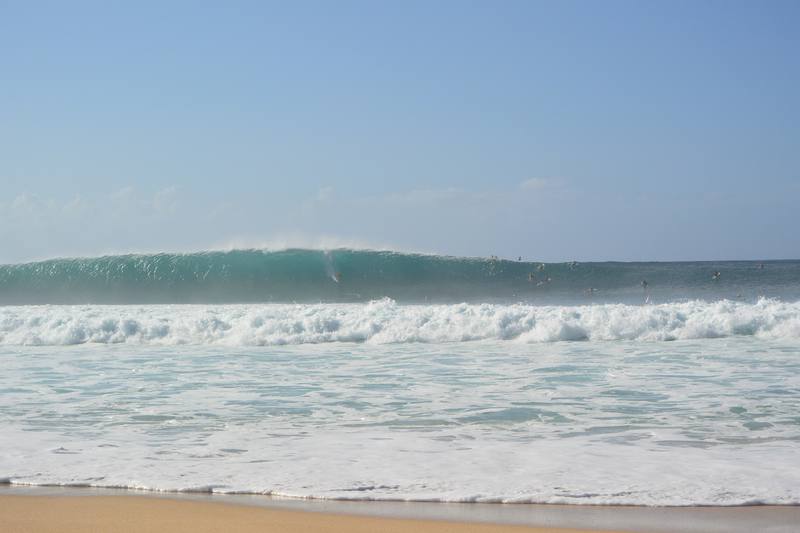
x,y
375,375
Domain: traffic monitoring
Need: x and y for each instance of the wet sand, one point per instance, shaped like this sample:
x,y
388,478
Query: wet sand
x,y
72,509
136,514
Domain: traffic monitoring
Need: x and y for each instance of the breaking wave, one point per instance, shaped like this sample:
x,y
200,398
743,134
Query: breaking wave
x,y
344,275
385,321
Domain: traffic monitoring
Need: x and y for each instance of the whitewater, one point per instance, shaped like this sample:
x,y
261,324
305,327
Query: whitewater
x,y
370,375
386,322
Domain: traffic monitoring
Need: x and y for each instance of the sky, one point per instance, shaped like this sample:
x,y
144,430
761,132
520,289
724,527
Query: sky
x,y
615,130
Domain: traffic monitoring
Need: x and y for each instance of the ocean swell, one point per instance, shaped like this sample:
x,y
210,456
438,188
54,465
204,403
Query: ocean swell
x,y
343,275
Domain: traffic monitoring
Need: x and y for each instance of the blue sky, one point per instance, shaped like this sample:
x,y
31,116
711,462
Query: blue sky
x,y
555,131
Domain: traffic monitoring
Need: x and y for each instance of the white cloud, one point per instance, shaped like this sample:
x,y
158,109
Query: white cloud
x,y
165,201
423,196
31,207
20,202
534,184
123,195
324,194
222,209
25,203
432,197
75,206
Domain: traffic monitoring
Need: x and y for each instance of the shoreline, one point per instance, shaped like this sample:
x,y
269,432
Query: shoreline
x,y
133,514
22,509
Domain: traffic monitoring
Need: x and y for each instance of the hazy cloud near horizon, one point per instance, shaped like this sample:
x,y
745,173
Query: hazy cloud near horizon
x,y
450,220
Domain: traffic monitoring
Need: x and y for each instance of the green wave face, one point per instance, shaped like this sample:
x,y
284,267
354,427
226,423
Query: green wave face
x,y
344,275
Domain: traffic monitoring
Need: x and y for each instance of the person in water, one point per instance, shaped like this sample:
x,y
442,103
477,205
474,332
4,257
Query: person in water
x,y
531,277
716,275
644,284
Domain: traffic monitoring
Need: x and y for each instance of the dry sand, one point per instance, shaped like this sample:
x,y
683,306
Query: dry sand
x,y
123,514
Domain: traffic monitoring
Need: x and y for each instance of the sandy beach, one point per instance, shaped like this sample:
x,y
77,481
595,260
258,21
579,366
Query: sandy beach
x,y
122,514
43,509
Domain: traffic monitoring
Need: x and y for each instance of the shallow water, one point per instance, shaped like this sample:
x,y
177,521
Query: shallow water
x,y
643,421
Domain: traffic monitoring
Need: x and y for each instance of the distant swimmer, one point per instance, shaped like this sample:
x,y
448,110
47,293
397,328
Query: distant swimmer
x,y
519,258
716,275
644,284
540,267
572,264
337,277
590,291
761,266
531,277
544,281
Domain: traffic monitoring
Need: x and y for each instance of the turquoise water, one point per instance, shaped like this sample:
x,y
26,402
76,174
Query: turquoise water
x,y
343,275
625,422
377,375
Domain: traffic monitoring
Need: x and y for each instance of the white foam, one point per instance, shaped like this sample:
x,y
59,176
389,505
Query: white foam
x,y
383,465
385,321
683,423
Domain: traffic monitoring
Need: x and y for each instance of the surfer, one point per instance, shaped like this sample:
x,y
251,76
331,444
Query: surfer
x,y
531,277
644,284
761,266
540,267
716,275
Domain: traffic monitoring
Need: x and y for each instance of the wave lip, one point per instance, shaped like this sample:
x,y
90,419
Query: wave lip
x,y
386,322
